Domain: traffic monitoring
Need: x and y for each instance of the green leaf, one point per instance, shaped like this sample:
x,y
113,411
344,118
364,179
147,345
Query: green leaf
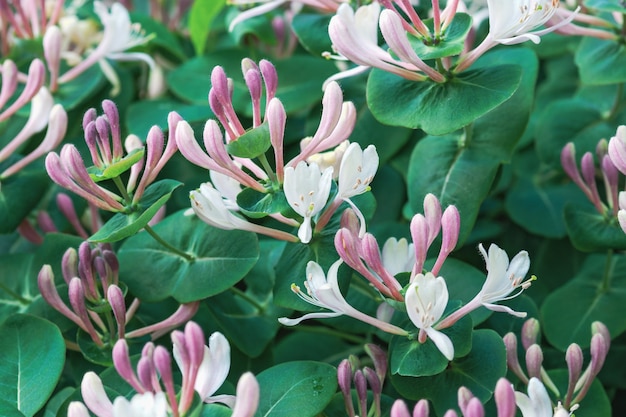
x,y
412,358
29,372
440,108
606,5
251,144
590,231
256,204
160,35
201,16
142,115
451,43
123,225
117,168
92,352
596,293
300,389
15,204
479,371
455,174
221,259
597,60
312,32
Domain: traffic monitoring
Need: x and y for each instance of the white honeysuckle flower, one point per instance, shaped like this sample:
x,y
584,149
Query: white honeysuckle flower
x,y
425,300
208,204
213,370
323,291
537,403
398,255
503,278
357,170
228,187
119,32
307,189
141,405
513,21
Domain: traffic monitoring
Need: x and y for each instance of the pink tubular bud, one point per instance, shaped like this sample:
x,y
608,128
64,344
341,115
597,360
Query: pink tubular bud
x,y
421,409
146,371
45,283
610,175
254,83
121,361
379,357
45,222
376,387
113,119
52,42
248,394
599,327
419,234
505,398
77,300
451,226
9,81
464,396
350,221
89,117
66,207
510,343
530,332
450,413
69,265
94,396
115,297
474,409
184,313
77,409
599,349
194,338
360,383
103,140
344,378
276,120
163,364
91,139
270,77
86,272
574,359
399,409
534,361
36,78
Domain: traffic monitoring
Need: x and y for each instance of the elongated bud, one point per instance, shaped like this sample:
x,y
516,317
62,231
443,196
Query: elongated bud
x,y
77,409
86,273
66,207
534,360
94,396
77,300
276,118
349,220
360,383
121,361
115,297
45,283
432,214
194,338
9,81
505,398
270,77
464,396
69,265
399,409
617,149
379,357
419,234
474,409
574,359
510,342
421,409
599,349
248,394
344,378
375,385
254,83
163,364
52,41
530,332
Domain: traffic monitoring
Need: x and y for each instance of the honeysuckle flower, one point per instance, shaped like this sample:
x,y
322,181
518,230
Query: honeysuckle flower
x,y
248,394
211,207
323,291
537,403
268,5
307,189
513,22
147,404
426,299
357,170
398,255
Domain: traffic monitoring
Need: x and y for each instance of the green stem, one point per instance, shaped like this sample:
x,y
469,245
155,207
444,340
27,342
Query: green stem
x,y
14,294
171,248
608,272
440,66
268,169
331,332
120,186
247,298
468,130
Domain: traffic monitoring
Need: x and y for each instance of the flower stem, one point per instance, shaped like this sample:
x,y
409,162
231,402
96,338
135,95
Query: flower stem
x,y
14,294
172,249
618,100
268,169
120,186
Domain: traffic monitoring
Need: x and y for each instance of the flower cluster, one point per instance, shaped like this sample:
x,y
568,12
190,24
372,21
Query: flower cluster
x,y
204,369
425,297
97,297
296,192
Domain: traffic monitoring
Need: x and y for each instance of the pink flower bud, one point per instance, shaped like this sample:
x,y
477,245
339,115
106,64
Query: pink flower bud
x,y
510,342
419,234
421,409
399,409
9,81
574,359
45,283
52,44
254,83
534,360
270,77
276,120
505,398
77,300
360,383
77,409
617,149
94,396
379,357
115,297
464,396
474,409
530,331
66,207
248,394
121,361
